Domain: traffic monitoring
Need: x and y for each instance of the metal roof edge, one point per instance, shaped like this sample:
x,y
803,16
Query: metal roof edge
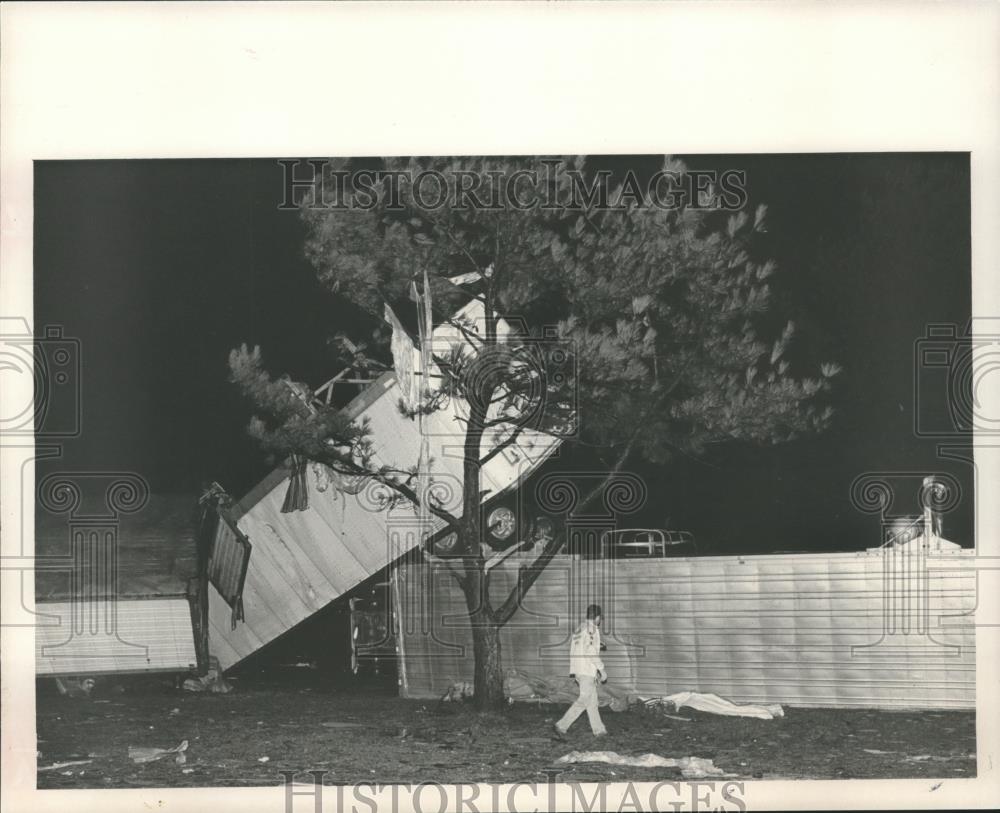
x,y
369,395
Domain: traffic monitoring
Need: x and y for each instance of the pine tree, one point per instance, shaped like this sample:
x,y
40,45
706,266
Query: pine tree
x,y
667,315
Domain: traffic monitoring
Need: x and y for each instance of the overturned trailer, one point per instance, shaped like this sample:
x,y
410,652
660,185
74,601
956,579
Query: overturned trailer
x,y
278,558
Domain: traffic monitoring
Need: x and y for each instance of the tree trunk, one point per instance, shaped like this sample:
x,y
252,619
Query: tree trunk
x,y
488,684
488,667
198,587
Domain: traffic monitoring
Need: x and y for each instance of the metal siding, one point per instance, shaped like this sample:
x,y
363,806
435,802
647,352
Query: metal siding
x,y
808,629
147,635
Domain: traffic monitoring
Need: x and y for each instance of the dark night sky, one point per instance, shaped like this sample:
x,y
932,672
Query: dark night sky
x,y
161,267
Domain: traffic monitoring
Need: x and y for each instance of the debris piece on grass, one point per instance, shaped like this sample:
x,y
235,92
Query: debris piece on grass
x,y
713,704
342,724
174,712
75,686
211,681
57,765
675,717
187,770
141,754
263,759
876,751
691,767
458,691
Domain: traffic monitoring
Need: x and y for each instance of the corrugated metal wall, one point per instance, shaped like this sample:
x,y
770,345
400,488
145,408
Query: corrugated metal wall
x,y
887,628
95,637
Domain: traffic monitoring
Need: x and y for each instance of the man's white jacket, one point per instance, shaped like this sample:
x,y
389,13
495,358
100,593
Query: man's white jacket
x,y
585,651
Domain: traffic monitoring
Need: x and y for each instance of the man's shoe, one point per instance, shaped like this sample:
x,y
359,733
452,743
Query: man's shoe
x,y
600,734
559,733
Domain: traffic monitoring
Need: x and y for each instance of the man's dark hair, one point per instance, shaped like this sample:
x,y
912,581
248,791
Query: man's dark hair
x,y
593,611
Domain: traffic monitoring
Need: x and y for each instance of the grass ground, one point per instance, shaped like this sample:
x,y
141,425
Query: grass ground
x,y
369,734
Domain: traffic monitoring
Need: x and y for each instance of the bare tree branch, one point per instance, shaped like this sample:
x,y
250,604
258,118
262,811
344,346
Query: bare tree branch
x,y
526,577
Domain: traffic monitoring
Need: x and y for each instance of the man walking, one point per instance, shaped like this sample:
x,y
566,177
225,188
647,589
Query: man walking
x,y
586,666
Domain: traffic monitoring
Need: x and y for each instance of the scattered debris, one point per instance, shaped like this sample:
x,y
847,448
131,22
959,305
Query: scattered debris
x,y
174,712
187,770
713,704
675,717
211,681
458,691
876,751
520,685
57,765
141,754
75,686
263,759
691,767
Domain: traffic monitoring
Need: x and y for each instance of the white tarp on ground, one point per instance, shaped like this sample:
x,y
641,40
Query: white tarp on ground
x,y
714,704
691,767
